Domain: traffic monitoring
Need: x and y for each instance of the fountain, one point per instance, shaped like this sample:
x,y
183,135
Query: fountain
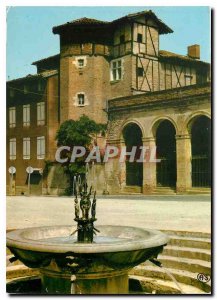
x,y
85,259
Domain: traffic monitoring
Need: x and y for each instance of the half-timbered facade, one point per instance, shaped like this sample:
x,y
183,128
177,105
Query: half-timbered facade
x,y
121,60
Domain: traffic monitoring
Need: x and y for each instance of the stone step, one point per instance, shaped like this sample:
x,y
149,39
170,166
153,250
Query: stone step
x,y
159,286
203,191
187,264
18,271
164,191
181,276
187,252
192,242
132,189
190,234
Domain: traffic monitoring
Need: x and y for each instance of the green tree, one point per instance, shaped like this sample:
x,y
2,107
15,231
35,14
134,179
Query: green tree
x,y
82,132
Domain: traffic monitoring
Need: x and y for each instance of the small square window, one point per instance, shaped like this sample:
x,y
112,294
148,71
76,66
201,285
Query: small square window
x,y
80,63
140,72
139,38
122,39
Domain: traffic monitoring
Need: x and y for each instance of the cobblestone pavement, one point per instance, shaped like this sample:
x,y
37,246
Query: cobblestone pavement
x,y
184,213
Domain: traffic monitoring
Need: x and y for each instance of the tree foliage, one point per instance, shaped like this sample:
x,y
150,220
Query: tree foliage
x,y
81,132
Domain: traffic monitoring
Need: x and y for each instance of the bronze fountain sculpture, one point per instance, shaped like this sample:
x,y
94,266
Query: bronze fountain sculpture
x,y
85,226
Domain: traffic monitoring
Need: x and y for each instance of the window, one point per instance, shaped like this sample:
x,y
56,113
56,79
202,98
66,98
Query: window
x,y
80,62
81,99
188,76
40,113
26,148
25,89
116,70
26,115
41,147
168,76
12,149
40,86
122,39
140,71
188,80
12,117
11,92
139,38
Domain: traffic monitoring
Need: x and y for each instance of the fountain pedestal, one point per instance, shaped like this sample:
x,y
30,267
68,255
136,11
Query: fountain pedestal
x,y
110,282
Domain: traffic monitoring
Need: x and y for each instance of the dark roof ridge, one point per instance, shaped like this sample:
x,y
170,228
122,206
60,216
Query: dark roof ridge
x,y
46,58
163,28
171,55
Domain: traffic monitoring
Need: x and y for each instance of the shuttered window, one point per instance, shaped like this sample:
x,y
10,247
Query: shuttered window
x,y
41,147
26,148
12,117
12,148
40,113
26,115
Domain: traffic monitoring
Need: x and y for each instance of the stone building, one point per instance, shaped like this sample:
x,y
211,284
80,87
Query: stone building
x,y
115,72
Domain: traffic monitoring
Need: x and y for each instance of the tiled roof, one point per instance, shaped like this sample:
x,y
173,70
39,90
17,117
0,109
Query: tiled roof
x,y
87,21
34,76
28,77
174,56
159,96
56,56
163,28
80,22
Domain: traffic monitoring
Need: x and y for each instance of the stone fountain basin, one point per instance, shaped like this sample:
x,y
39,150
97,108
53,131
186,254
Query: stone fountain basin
x,y
113,248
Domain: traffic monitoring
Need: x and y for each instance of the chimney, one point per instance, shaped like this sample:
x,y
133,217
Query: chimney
x,y
194,51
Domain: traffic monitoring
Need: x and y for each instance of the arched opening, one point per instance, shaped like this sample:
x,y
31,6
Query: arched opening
x,y
132,135
166,152
200,129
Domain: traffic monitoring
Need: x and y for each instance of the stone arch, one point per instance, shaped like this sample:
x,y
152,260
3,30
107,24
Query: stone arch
x,y
199,128
164,131
190,120
157,121
132,138
131,121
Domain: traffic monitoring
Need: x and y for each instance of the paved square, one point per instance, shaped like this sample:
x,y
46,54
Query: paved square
x,y
182,213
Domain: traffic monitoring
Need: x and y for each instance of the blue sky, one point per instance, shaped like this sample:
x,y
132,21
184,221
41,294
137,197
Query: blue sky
x,y
30,37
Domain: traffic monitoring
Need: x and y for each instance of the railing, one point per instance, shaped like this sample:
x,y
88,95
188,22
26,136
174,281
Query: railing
x,y
201,171
166,172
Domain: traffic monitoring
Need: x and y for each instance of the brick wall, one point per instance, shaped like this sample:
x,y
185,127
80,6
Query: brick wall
x,y
50,97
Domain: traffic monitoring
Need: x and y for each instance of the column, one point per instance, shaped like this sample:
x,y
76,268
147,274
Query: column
x,y
115,171
183,162
149,166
